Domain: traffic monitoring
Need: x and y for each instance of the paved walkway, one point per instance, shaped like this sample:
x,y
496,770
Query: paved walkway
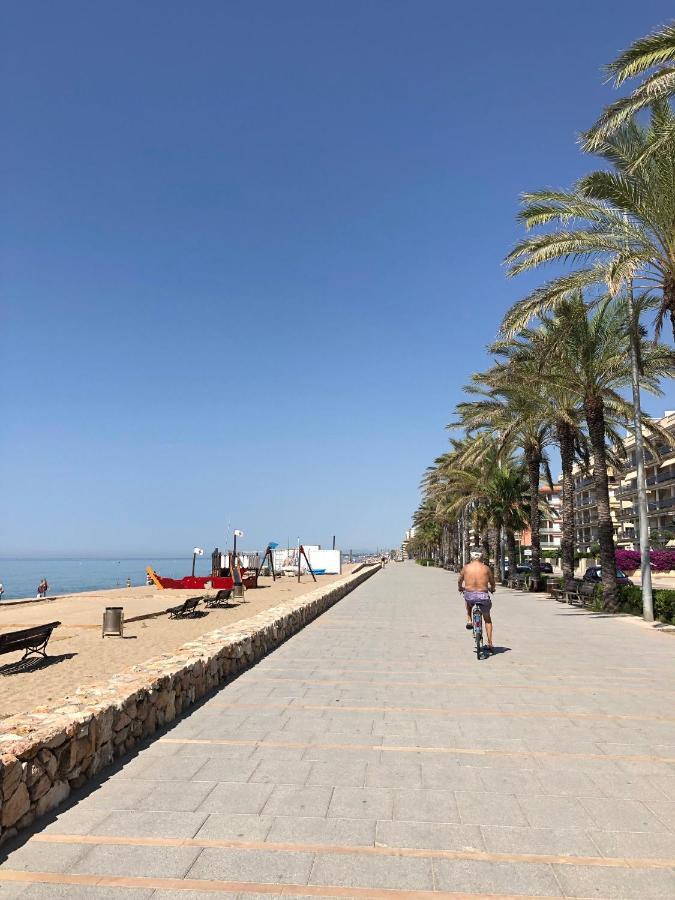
x,y
373,755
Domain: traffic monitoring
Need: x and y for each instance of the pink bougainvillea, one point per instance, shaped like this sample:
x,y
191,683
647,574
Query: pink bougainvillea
x,y
661,560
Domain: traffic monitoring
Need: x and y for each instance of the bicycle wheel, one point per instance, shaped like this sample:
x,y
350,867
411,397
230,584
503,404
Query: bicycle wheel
x,y
479,645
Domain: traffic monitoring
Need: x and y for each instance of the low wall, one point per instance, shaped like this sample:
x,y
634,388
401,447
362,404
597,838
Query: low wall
x,y
54,749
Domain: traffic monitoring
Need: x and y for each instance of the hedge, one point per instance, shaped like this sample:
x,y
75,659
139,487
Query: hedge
x,y
630,601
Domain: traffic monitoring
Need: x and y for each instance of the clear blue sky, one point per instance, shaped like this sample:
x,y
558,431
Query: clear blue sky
x,y
252,250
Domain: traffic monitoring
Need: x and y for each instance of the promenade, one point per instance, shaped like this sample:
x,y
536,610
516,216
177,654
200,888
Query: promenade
x,y
372,755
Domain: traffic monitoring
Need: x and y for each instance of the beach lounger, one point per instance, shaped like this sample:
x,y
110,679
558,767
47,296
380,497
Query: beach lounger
x,y
31,640
188,608
220,600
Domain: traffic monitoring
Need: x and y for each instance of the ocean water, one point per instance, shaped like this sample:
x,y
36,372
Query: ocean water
x,y
66,576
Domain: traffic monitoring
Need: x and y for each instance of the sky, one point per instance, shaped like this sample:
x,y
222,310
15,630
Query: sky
x,y
251,251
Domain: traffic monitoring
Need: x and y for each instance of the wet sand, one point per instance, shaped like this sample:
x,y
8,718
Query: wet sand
x,y
79,656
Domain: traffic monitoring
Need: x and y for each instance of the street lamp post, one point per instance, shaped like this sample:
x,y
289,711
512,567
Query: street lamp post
x,y
195,553
643,513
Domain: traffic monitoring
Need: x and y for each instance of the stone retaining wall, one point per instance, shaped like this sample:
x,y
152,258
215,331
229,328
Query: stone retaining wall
x,y
52,750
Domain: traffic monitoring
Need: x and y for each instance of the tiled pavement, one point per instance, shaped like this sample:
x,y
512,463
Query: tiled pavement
x,y
373,755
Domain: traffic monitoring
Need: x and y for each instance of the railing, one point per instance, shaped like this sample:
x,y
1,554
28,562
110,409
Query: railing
x,y
661,477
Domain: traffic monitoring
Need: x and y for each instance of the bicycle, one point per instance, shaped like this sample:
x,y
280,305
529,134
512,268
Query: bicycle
x,y
477,620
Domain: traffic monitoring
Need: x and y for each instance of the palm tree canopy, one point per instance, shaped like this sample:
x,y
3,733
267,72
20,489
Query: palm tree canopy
x,y
615,226
653,54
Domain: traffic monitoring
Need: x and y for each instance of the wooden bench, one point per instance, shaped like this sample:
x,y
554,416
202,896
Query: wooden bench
x,y
221,599
516,581
33,641
571,589
188,608
586,593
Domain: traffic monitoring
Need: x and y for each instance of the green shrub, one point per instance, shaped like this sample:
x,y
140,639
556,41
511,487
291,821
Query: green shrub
x,y
630,601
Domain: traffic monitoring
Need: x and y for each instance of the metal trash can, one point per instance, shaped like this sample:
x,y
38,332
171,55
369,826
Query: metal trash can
x,y
238,592
113,622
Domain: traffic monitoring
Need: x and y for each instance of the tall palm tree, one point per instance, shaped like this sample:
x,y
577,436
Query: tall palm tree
x,y
527,361
623,227
589,358
653,54
511,413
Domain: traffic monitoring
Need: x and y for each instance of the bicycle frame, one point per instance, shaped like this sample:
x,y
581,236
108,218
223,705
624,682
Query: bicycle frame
x,y
477,619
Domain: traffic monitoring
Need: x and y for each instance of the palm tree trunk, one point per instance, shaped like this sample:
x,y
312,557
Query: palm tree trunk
x,y
566,443
495,551
485,545
511,549
465,543
533,460
595,419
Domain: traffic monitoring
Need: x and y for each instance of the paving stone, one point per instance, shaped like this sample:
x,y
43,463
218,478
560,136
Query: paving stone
x,y
428,836
343,870
171,769
274,772
361,803
394,773
294,800
237,827
219,770
665,810
237,798
616,884
115,795
495,878
135,823
425,806
489,809
547,841
564,812
345,774
314,830
270,866
82,892
38,857
158,862
625,815
185,796
78,819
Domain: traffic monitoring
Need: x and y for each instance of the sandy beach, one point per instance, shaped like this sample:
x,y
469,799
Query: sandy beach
x,y
78,655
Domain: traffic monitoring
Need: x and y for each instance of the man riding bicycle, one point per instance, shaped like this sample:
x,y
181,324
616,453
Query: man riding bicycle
x,y
476,582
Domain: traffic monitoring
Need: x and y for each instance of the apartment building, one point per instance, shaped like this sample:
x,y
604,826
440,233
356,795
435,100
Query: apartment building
x,y
660,475
550,528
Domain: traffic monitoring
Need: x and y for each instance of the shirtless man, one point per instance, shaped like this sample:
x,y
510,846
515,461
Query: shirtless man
x,y
476,581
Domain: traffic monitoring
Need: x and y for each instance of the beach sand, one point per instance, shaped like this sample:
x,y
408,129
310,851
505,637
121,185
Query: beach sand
x,y
79,656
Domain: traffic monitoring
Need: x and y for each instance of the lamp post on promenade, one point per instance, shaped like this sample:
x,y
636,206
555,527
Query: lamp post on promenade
x,y
643,512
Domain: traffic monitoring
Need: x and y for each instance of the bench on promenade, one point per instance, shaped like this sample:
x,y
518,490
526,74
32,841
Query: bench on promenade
x,y
220,600
188,608
516,581
571,590
560,591
33,641
586,593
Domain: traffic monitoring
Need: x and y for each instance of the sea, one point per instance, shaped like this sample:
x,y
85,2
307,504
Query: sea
x,y
21,577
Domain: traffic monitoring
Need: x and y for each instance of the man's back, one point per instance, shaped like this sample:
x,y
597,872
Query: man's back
x,y
476,576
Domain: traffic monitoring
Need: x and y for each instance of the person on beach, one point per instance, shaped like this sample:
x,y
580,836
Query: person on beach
x,y
2,590
476,582
43,587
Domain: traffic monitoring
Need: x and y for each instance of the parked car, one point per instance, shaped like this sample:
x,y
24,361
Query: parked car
x,y
594,575
545,568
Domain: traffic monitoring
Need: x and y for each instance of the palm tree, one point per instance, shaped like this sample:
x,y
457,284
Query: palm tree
x,y
589,359
623,227
653,54
511,413
527,362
